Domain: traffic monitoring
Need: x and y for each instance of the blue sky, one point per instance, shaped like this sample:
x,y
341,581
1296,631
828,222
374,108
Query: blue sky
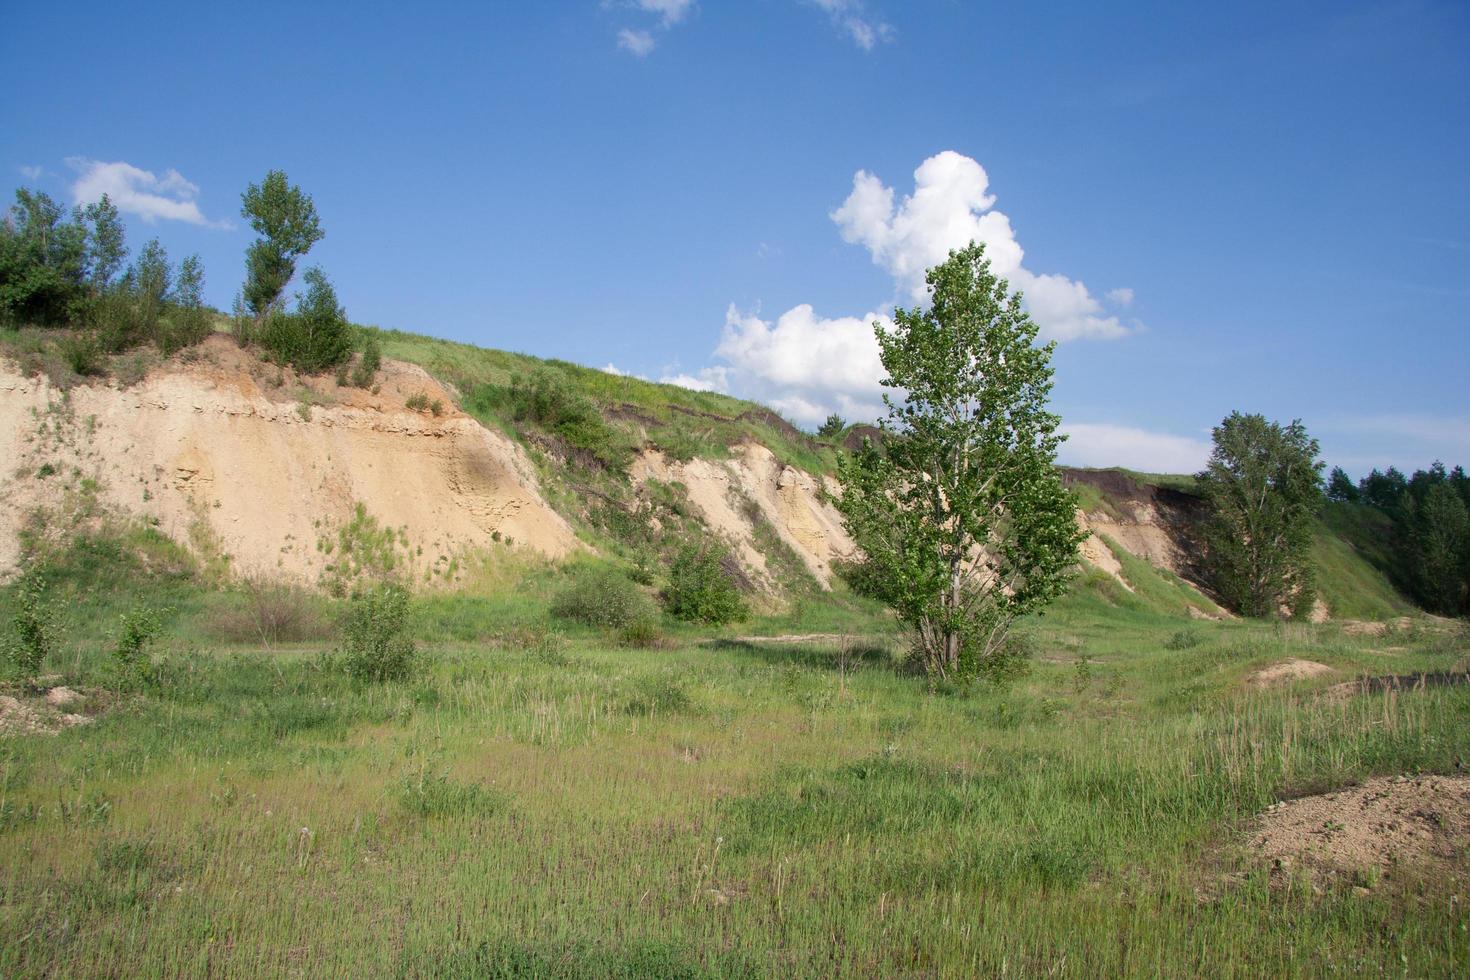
x,y
1255,206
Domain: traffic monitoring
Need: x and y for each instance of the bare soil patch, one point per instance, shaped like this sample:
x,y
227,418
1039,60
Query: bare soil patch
x,y
1386,826
1287,672
40,711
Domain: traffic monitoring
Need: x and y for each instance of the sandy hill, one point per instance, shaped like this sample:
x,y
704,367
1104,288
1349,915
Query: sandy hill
x,y
302,477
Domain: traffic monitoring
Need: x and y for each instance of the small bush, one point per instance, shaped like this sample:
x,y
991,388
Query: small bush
x,y
137,629
268,612
417,402
1183,640
701,590
375,644
366,369
33,626
641,634
602,597
83,353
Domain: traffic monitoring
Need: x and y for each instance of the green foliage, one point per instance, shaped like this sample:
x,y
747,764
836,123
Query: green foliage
x,y
137,629
1340,487
701,588
1263,482
361,549
417,402
375,641
548,399
959,509
1182,640
436,796
32,626
1437,546
832,427
314,338
602,596
43,261
365,371
286,219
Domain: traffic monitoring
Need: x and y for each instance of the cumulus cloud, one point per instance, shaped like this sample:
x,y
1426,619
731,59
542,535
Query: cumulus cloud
x,y
708,379
636,43
139,192
951,205
853,20
1092,444
1122,296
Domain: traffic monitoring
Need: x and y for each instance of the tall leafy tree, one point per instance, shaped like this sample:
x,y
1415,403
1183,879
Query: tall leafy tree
x,y
1437,532
106,247
1340,487
43,259
1263,482
285,217
960,513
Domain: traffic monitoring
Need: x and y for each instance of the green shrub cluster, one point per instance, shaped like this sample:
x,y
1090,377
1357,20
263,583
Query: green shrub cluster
x,y
313,338
137,629
32,626
550,401
701,589
606,598
375,641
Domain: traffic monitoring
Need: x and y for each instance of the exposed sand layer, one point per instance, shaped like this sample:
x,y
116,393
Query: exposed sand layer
x,y
218,445
754,484
1388,824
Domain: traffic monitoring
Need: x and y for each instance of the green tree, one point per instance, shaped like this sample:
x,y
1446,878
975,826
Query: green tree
x,y
1340,487
1263,482
106,245
285,217
43,261
1438,533
832,427
960,513
701,590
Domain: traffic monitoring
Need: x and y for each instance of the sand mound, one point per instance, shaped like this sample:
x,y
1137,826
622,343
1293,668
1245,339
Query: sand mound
x,y
1287,672
733,494
38,717
218,447
1387,824
1095,552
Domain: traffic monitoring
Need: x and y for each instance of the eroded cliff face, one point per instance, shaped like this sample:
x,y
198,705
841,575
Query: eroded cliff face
x,y
221,451
231,456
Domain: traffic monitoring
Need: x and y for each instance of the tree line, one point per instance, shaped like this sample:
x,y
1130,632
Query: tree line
x,y
65,271
1430,514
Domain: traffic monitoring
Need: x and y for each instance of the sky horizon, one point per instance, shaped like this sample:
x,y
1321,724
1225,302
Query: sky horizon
x,y
1255,209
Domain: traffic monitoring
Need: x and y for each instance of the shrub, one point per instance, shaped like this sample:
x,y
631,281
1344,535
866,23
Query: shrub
x,y
82,352
701,589
602,597
315,337
268,612
33,626
641,634
375,643
417,402
136,630
368,364
1182,640
659,694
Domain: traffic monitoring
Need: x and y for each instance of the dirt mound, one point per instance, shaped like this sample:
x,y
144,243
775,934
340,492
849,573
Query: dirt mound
x,y
1384,825
1287,672
217,446
39,715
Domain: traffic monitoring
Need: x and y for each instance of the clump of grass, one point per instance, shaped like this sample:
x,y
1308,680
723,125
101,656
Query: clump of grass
x,y
436,796
660,694
1183,640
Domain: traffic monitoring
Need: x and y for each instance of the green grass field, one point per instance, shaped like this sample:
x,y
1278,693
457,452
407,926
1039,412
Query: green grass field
x,y
539,802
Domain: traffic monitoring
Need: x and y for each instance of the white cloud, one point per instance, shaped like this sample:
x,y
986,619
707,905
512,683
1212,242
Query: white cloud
x,y
852,18
139,192
708,379
670,11
30,173
1122,296
1100,444
637,43
951,206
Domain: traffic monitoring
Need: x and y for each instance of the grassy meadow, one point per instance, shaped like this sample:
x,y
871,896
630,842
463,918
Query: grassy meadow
x,y
541,802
